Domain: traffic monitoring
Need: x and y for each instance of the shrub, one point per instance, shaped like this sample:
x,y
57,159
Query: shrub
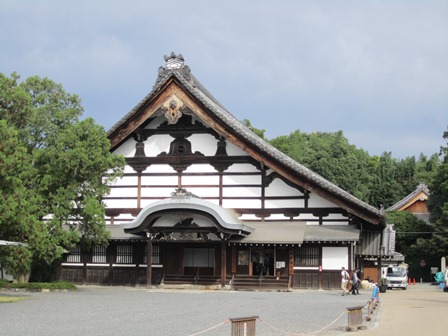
x,y
59,285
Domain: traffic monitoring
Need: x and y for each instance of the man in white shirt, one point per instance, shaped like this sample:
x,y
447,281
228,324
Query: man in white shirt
x,y
344,281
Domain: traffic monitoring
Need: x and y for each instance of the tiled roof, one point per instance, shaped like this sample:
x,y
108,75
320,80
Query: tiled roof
x,y
421,188
331,233
196,89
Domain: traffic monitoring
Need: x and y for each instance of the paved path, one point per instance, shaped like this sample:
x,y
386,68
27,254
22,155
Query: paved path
x,y
140,311
420,310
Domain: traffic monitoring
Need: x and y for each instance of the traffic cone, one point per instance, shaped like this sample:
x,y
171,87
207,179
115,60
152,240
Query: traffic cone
x,y
414,282
409,281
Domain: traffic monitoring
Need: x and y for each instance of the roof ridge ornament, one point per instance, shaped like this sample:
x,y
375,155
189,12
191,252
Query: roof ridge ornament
x,y
174,63
181,193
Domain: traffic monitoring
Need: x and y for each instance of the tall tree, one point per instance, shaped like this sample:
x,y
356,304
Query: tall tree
x,y
438,207
332,156
56,169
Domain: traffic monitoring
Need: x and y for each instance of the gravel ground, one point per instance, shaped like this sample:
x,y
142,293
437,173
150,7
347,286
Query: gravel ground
x,y
140,311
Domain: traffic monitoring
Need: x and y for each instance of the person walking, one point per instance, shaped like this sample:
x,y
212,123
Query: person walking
x,y
355,282
344,281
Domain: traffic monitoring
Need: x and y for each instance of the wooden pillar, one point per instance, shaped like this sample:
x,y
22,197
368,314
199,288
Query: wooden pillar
x,y
149,262
139,190
223,263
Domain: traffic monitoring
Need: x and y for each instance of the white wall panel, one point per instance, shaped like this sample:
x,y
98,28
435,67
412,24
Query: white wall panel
x,y
204,192
160,192
333,258
234,150
159,180
157,168
200,168
242,167
241,203
120,203
239,179
126,180
241,192
280,188
316,201
123,192
129,170
204,143
156,144
201,180
297,203
127,149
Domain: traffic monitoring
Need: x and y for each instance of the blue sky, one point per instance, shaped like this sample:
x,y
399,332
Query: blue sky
x,y
377,70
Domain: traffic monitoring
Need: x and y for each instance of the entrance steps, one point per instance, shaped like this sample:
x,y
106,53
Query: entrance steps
x,y
266,282
177,281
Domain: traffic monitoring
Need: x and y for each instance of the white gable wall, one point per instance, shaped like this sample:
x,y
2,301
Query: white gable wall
x,y
237,191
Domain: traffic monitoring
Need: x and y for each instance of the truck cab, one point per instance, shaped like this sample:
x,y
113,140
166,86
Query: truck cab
x,y
397,276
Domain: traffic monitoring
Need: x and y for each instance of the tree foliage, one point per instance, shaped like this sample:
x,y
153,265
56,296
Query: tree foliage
x,y
438,207
378,180
54,171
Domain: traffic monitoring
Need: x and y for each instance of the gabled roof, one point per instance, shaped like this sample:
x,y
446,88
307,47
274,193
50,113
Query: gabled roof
x,y
421,193
176,78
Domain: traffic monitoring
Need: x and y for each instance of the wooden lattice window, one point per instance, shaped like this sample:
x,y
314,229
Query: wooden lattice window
x,y
124,254
99,254
306,256
155,254
75,255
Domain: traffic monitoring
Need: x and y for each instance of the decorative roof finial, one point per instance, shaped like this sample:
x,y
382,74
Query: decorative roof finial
x,y
174,64
174,61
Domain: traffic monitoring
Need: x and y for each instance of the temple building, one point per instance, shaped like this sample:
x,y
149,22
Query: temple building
x,y
205,202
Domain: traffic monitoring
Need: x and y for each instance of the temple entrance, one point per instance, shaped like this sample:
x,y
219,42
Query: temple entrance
x,y
262,261
199,260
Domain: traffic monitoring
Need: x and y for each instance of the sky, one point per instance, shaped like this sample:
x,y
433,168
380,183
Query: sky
x,y
375,70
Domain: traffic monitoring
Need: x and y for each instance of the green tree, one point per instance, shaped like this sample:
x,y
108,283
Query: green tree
x,y
55,170
332,156
257,131
438,207
408,229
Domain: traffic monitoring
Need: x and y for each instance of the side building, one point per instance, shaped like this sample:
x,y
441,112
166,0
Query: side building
x,y
206,202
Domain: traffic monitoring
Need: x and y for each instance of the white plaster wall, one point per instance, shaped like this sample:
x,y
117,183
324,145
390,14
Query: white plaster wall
x,y
234,150
127,149
241,203
238,180
156,144
242,167
280,188
120,203
126,180
333,258
201,180
123,192
200,168
204,143
157,169
159,192
284,203
159,180
204,192
241,192
315,201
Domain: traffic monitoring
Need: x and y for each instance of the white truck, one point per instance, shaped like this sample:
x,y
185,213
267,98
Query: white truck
x,y
397,276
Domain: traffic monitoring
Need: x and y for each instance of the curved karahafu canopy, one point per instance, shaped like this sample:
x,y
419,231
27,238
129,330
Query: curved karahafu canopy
x,y
183,213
